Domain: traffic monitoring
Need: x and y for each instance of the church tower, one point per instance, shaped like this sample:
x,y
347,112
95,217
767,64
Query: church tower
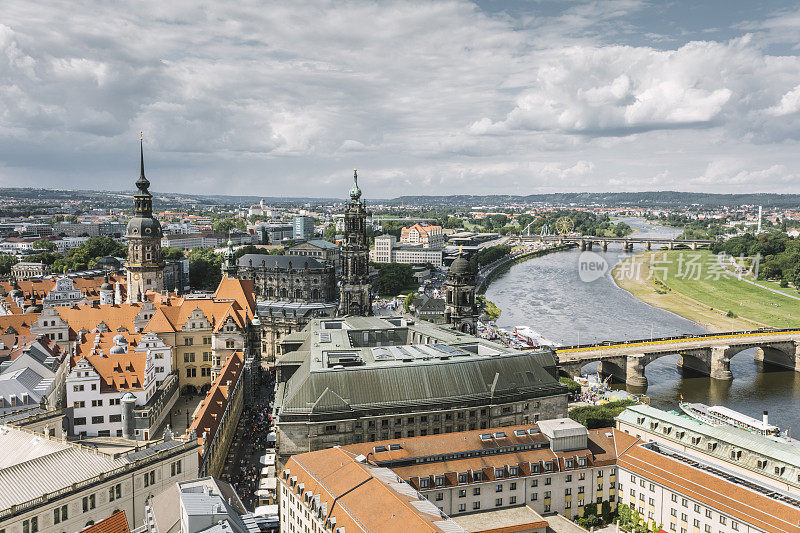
x,y
459,310
145,267
355,292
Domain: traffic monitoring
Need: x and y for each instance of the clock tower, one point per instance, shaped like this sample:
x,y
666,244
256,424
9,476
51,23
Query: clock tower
x,y
145,267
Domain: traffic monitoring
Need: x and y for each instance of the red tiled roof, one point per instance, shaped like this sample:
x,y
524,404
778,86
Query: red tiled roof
x,y
116,523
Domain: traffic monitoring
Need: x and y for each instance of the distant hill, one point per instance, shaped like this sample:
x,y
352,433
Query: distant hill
x,y
643,199
631,199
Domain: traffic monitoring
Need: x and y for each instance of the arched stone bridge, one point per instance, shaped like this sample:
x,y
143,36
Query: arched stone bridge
x,y
586,242
708,354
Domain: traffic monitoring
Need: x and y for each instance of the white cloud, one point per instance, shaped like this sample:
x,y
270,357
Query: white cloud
x,y
432,97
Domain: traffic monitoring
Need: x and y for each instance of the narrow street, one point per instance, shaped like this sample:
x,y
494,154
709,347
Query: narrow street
x,y
243,468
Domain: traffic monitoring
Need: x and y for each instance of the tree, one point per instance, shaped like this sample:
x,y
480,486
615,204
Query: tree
x,y
172,253
393,278
204,268
44,244
329,234
225,225
409,300
6,262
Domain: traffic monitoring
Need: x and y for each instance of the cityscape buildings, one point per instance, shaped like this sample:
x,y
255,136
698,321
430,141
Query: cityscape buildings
x,y
360,379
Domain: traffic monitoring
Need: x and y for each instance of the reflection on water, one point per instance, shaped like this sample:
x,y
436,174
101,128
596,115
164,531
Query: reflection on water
x,y
546,294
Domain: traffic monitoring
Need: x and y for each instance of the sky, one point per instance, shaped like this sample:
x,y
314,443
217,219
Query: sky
x,y
455,97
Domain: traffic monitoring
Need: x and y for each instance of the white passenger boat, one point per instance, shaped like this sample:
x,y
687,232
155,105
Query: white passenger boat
x,y
718,415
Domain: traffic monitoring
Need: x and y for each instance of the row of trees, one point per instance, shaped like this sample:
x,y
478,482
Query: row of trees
x,y
583,223
779,254
82,257
488,255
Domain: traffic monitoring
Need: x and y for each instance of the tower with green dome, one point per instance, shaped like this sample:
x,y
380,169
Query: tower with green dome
x,y
355,291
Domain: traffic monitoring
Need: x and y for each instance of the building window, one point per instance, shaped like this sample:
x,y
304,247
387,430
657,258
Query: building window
x,y
462,493
175,468
462,507
80,421
191,372
475,506
205,372
476,491
97,403
98,419
31,525
499,488
89,503
60,514
114,492
498,502
114,418
230,344
150,478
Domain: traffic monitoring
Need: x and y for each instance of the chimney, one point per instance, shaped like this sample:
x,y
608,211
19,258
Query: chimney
x,y
765,418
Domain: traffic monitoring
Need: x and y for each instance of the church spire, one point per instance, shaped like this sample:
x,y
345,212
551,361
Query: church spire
x,y
355,192
142,183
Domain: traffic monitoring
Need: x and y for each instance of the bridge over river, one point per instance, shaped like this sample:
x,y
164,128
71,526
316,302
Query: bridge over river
x,y
707,354
586,242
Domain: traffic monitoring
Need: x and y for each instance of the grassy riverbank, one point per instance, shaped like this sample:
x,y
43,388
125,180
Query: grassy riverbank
x,y
691,284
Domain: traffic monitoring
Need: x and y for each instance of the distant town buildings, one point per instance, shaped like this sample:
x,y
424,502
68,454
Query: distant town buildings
x,y
303,228
387,250
425,234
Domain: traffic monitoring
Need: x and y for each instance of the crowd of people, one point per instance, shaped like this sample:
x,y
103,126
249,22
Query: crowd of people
x,y
250,443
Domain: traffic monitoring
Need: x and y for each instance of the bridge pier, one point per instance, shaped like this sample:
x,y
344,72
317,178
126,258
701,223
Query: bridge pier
x,y
721,362
694,246
605,246
671,245
589,245
649,245
614,367
583,245
697,361
634,371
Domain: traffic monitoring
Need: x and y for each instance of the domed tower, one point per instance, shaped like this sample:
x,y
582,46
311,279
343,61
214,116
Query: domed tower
x,y
459,311
229,266
144,265
355,292
106,292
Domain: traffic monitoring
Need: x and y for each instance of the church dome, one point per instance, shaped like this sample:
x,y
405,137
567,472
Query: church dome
x,y
460,266
143,226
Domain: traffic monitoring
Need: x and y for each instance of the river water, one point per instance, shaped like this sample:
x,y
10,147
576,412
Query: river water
x,y
547,294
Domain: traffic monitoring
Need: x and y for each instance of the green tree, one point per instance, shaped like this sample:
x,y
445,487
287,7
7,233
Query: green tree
x,y
204,268
172,253
393,278
44,244
6,262
329,234
409,300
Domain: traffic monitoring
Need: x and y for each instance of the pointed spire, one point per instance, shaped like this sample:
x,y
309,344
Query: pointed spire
x,y
142,183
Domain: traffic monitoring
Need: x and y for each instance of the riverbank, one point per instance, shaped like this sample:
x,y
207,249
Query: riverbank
x,y
691,284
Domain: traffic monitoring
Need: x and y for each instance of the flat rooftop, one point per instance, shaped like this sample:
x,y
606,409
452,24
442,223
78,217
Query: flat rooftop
x,y
518,518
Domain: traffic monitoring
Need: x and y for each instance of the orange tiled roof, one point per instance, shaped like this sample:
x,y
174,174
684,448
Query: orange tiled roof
x,y
736,500
240,290
209,413
116,523
354,497
89,317
19,323
117,371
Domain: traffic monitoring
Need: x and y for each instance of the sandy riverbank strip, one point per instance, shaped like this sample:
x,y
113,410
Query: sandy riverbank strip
x,y
645,287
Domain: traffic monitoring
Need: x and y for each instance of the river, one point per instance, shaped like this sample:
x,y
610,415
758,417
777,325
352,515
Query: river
x,y
547,294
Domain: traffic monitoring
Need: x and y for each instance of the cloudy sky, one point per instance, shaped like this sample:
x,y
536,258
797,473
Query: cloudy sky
x,y
518,97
